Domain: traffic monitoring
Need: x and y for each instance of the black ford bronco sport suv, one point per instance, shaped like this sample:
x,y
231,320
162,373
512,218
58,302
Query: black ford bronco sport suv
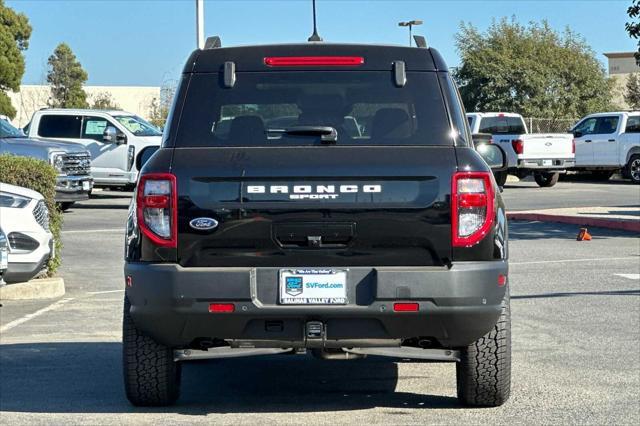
x,y
317,197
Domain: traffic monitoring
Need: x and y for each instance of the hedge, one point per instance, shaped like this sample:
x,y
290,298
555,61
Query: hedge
x,y
39,176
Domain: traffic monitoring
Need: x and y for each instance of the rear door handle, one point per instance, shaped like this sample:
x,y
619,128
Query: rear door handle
x,y
588,140
612,140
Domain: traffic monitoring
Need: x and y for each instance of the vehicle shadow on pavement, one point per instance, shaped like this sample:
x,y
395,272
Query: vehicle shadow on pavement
x,y
533,230
579,293
86,377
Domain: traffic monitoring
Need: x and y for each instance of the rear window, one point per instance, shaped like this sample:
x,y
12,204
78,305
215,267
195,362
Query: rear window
x,y
60,126
365,108
502,125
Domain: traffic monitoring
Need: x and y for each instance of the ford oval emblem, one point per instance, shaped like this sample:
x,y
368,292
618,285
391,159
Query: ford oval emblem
x,y
203,223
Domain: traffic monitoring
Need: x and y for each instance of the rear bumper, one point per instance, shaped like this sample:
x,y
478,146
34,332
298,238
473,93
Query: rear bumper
x,y
457,305
546,163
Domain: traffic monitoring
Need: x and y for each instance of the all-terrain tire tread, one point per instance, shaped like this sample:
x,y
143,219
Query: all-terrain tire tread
x,y
484,370
151,376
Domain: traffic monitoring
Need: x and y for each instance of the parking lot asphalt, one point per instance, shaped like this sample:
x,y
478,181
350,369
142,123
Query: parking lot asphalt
x,y
576,344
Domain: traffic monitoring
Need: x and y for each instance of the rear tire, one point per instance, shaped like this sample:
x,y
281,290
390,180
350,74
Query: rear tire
x,y
546,179
64,206
632,170
484,371
151,376
501,177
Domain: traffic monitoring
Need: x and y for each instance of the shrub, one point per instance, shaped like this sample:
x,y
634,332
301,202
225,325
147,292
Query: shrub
x,y
39,176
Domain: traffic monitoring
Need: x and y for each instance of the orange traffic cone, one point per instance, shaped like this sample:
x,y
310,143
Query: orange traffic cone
x,y
583,235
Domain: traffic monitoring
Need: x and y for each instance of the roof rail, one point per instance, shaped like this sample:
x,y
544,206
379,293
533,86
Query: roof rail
x,y
212,42
420,41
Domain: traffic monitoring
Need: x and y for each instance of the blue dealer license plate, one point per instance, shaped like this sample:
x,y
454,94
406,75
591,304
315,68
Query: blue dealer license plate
x,y
313,287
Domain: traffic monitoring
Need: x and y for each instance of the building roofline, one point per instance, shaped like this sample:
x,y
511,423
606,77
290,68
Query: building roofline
x,y
620,54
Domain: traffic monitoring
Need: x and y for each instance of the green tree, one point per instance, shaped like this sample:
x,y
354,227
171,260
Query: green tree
x,y
632,94
103,100
532,70
633,27
66,77
159,107
14,38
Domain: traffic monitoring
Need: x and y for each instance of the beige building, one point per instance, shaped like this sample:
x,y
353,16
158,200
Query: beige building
x,y
621,66
135,99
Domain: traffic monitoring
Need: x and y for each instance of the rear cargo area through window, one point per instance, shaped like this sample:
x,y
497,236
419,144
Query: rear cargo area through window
x,y
364,108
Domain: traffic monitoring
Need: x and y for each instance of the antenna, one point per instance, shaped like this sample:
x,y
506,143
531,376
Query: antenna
x,y
314,36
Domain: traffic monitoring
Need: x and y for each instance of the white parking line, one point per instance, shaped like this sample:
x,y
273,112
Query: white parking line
x,y
105,292
90,231
629,276
37,313
536,262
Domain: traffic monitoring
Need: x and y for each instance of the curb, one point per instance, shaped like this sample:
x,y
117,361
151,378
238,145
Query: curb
x,y
625,225
45,288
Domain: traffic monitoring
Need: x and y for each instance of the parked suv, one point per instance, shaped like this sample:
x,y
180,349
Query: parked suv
x,y
114,139
72,161
387,238
608,142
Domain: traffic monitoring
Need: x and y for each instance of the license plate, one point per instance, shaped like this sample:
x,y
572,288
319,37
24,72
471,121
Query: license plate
x,y
313,287
547,162
86,185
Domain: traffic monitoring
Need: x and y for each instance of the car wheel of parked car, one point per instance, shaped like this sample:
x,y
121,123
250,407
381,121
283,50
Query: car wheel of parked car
x,y
501,178
64,206
484,371
151,376
546,179
633,168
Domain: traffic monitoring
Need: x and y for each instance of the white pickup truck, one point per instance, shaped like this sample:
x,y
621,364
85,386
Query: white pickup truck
x,y
543,154
114,139
608,142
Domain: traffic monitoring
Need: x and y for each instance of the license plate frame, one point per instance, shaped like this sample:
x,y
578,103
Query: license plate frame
x,y
312,286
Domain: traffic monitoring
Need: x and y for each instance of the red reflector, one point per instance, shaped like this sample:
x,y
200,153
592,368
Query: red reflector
x,y
221,307
405,307
129,281
156,201
502,280
473,200
308,61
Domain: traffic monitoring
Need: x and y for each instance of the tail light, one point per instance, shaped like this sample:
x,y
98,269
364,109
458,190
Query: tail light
x,y
157,208
472,207
573,146
307,61
518,145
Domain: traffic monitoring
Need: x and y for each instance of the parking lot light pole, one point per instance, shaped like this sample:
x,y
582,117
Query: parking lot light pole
x,y
200,23
410,24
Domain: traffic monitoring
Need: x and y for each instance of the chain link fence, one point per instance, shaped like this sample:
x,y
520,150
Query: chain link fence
x,y
549,125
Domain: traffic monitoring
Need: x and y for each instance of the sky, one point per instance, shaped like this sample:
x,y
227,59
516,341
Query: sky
x,y
145,43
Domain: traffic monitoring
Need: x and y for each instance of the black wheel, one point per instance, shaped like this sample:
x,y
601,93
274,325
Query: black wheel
x,y
546,179
501,177
64,206
633,168
151,376
484,371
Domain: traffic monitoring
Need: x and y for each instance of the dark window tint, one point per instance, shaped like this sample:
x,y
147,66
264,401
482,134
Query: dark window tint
x,y
633,124
60,126
456,111
365,108
502,125
607,125
94,127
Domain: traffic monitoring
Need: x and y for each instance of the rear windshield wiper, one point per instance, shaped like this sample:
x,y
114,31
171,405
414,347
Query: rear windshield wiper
x,y
328,134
